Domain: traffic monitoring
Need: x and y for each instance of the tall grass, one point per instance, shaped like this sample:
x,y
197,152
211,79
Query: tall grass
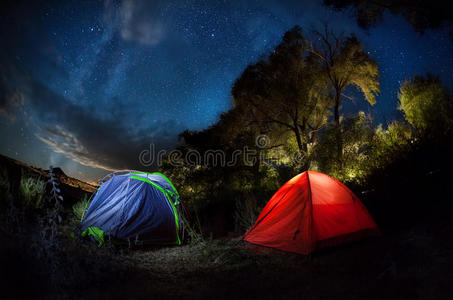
x,y
246,213
32,191
193,230
79,209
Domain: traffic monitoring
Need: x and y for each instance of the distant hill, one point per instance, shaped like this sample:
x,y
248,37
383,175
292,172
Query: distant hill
x,y
59,172
72,189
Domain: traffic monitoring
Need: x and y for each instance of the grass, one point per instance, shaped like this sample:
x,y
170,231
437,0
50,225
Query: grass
x,y
32,191
409,263
79,209
229,268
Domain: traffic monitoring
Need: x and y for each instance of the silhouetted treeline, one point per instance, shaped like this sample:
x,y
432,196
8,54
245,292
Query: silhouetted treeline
x,y
422,14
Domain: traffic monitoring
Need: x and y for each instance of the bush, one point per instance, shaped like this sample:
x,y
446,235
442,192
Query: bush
x,y
32,191
356,138
389,145
426,105
79,209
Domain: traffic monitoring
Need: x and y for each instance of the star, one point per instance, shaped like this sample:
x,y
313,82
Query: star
x,y
176,62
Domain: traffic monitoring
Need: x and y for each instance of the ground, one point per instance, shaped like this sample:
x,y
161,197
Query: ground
x,y
412,259
411,263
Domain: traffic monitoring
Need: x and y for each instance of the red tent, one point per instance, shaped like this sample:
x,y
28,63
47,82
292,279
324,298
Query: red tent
x,y
310,211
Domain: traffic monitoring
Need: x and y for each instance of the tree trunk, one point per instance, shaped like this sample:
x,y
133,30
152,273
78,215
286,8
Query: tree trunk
x,y
298,138
337,108
339,137
302,145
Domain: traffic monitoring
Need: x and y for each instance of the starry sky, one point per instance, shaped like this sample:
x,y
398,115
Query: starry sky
x,y
87,85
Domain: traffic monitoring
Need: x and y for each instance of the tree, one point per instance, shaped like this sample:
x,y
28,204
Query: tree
x,y
426,104
389,145
357,142
284,92
421,14
345,63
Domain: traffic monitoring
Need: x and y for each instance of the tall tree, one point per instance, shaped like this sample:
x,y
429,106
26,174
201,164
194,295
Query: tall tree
x,y
285,92
345,64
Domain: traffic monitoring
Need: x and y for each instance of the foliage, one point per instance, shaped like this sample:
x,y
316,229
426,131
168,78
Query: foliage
x,y
79,209
287,97
47,245
210,189
284,92
421,14
357,134
344,63
54,210
366,149
193,229
32,191
389,145
426,105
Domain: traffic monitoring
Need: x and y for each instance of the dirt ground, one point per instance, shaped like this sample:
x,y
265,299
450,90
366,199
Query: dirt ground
x,y
411,263
412,259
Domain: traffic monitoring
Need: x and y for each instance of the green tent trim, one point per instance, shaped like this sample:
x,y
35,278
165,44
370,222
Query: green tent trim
x,y
161,175
175,212
96,232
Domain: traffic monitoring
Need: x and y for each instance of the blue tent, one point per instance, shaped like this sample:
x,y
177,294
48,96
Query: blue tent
x,y
135,206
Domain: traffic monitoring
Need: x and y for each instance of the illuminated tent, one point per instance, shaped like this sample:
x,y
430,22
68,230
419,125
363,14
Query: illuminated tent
x,y
311,211
135,207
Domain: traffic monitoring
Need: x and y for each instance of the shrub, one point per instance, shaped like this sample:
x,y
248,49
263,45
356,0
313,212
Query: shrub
x,y
389,145
357,137
79,209
32,191
426,105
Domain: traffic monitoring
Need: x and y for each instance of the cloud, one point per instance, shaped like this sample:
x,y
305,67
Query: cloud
x,y
62,141
136,20
109,142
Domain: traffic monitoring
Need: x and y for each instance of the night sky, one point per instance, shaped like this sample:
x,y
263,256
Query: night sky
x,y
87,85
